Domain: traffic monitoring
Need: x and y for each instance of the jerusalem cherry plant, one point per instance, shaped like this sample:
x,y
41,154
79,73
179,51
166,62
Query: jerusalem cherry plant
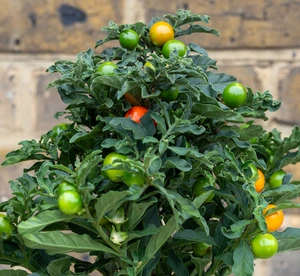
x,y
162,169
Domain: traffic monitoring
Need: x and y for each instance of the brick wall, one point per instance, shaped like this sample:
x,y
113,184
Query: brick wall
x,y
259,44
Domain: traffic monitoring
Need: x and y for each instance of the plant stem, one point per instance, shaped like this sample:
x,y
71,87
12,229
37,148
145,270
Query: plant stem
x,y
101,232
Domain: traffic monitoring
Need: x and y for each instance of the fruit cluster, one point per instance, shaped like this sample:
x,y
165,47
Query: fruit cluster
x,y
162,169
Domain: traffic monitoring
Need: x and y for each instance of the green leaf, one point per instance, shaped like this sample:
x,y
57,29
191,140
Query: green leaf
x,y
243,260
182,17
136,211
197,29
175,162
158,240
151,265
152,163
59,266
236,229
193,236
39,222
85,136
109,143
150,139
283,193
288,240
196,48
12,272
214,112
30,150
56,242
110,81
87,166
185,127
109,201
216,83
257,103
204,62
137,130
129,57
177,265
130,271
113,33
149,230
227,258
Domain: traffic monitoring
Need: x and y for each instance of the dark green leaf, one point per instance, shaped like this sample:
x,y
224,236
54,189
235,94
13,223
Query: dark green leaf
x,y
56,242
39,222
288,240
175,162
177,265
193,236
12,272
59,266
243,260
236,229
214,112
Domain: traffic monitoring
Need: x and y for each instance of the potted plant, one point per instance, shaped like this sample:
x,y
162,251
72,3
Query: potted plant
x,y
163,168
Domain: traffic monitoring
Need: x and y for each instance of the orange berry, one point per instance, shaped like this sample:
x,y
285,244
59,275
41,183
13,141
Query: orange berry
x,y
260,182
274,220
161,32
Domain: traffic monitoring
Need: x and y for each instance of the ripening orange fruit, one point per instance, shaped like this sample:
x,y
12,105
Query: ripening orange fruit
x,y
260,182
161,32
274,220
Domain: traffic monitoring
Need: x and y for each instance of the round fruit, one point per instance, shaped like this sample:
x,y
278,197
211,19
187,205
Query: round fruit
x,y
129,39
273,220
69,202
199,187
173,45
107,68
136,113
234,94
275,180
260,182
264,246
5,226
114,175
161,32
170,94
201,248
57,129
65,186
134,177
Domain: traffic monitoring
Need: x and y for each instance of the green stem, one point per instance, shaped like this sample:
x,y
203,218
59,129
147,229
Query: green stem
x,y
107,240
213,268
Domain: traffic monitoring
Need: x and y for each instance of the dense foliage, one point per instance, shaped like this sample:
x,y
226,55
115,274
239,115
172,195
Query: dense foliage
x,y
128,198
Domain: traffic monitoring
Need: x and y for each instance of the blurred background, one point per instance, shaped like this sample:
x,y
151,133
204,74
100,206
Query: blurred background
x,y
259,44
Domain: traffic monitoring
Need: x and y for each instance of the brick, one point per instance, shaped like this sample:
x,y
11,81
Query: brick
x,y
47,103
242,24
289,94
295,170
6,174
245,74
8,80
54,25
285,263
